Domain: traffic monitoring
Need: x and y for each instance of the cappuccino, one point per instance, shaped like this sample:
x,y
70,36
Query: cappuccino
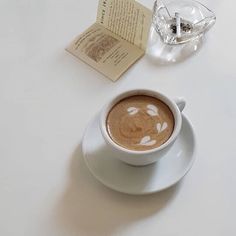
x,y
140,123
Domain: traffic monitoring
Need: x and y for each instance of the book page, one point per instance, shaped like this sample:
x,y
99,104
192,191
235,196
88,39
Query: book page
x,y
105,51
126,18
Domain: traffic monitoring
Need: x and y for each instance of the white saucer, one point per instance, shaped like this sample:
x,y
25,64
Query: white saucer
x,y
124,178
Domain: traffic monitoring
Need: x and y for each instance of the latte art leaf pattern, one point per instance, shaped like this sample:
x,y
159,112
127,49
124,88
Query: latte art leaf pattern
x,y
152,110
162,127
132,110
146,141
140,123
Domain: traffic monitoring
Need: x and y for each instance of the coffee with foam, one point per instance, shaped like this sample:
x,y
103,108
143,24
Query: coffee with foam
x,y
140,123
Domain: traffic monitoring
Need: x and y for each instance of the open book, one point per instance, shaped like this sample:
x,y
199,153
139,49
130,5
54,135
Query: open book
x,y
116,40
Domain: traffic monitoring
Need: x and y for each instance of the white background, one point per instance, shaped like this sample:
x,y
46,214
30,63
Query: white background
x,y
47,98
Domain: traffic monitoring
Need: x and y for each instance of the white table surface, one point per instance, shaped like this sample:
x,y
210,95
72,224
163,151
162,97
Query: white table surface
x,y
45,187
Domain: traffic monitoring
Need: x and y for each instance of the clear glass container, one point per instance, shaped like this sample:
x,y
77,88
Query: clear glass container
x,y
180,21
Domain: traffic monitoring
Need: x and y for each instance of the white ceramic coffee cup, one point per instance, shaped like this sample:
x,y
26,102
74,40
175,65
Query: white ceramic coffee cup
x,y
141,158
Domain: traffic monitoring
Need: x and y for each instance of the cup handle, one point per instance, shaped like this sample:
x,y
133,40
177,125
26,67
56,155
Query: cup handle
x,y
180,102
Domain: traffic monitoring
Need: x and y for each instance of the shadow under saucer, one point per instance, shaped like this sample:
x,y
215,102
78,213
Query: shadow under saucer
x,y
89,208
